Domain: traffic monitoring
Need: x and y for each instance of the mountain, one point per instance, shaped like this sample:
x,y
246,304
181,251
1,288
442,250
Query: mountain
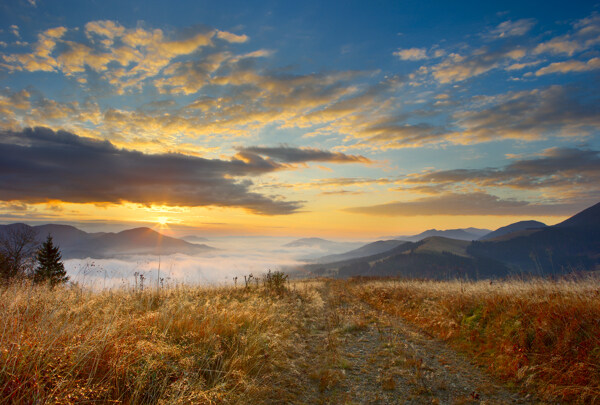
x,y
144,241
516,227
61,234
75,243
571,246
309,242
432,258
440,244
586,219
461,234
367,250
194,239
477,231
310,249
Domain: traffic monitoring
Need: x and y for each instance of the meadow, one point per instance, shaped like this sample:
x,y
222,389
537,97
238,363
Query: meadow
x,y
540,335
278,342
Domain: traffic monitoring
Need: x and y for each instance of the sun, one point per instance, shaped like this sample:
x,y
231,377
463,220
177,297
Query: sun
x,y
162,222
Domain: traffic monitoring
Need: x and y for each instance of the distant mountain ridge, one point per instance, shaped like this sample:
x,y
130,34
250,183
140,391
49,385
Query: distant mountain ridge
x,y
586,219
77,244
373,248
434,257
313,248
570,246
308,242
516,227
193,239
460,234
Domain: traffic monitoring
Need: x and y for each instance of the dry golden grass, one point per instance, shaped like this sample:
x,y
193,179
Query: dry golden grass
x,y
236,345
543,334
182,345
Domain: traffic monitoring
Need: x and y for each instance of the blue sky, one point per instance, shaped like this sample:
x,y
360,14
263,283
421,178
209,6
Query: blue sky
x,y
307,117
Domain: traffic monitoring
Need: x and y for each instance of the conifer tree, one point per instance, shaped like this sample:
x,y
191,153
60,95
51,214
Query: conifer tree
x,y
50,267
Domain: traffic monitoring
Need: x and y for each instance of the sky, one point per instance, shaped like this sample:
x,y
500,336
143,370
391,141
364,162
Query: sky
x,y
340,119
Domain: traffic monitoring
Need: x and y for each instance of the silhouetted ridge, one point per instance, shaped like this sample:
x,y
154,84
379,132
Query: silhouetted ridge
x,y
588,218
75,243
516,227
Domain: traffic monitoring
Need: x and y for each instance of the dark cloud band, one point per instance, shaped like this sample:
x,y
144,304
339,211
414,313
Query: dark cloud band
x,y
38,165
465,204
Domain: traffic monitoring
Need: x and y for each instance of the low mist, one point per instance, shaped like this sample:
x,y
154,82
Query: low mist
x,y
235,257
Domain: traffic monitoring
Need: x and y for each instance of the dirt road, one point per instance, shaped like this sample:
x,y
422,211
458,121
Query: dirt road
x,y
357,355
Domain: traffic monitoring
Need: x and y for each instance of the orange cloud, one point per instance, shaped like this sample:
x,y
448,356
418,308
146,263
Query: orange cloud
x,y
570,66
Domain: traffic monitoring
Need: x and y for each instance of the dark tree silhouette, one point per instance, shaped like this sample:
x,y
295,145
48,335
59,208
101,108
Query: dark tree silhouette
x,y
50,267
18,244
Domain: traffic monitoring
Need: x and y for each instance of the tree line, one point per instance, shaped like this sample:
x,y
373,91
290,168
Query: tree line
x,y
23,257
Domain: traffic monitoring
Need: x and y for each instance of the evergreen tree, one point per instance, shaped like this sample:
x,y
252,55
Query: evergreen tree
x,y
50,267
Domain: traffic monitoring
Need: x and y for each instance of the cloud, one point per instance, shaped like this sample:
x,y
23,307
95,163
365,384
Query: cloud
x,y
41,165
124,57
530,115
519,66
341,192
236,95
570,66
351,181
190,76
15,30
502,52
302,155
464,204
39,59
230,37
456,67
411,54
106,28
241,109
557,174
565,180
584,36
555,111
11,105
513,28
551,167
401,135
559,45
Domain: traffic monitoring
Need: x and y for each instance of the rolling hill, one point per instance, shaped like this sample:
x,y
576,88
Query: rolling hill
x,y
310,249
367,250
571,246
516,227
75,243
309,242
434,258
460,234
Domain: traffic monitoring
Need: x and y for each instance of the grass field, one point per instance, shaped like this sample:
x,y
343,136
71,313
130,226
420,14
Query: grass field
x,y
541,334
248,345
183,344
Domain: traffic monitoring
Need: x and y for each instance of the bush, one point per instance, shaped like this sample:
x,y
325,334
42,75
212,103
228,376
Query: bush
x,y
275,281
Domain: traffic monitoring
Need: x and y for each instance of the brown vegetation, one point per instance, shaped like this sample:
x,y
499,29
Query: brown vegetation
x,y
270,342
544,335
184,344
